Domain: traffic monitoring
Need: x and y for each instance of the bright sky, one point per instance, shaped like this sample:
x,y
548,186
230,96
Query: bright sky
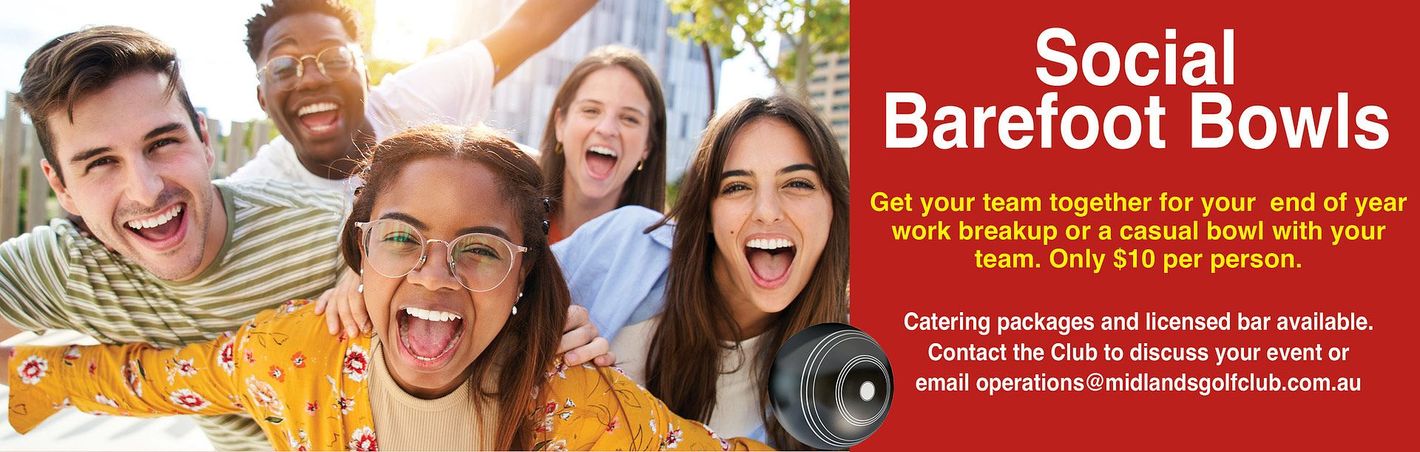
x,y
405,27
207,35
209,38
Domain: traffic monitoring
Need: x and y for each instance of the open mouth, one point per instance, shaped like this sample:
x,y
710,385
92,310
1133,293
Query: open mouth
x,y
770,260
162,230
429,336
320,117
600,161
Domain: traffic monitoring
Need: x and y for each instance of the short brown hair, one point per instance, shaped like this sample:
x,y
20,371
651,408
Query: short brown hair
x,y
75,65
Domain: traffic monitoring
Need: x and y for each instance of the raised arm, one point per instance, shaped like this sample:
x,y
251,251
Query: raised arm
x,y
534,26
126,380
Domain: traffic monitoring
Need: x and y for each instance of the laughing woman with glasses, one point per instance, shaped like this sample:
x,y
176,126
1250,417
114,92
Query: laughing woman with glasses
x,y
449,236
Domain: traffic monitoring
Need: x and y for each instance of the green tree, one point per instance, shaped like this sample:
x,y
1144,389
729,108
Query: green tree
x,y
806,28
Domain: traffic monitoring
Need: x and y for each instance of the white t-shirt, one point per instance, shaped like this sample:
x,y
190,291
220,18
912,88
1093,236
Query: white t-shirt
x,y
452,87
737,412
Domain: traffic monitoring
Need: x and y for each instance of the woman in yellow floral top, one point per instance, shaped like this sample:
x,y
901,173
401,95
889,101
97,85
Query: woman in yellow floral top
x,y
462,353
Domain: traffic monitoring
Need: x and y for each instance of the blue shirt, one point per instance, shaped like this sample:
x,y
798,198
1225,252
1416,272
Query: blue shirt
x,y
618,271
614,269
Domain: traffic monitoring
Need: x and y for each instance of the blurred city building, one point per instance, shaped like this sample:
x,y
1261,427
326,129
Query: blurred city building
x,y
828,92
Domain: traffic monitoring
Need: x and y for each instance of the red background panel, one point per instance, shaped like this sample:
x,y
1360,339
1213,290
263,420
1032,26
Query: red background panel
x,y
983,54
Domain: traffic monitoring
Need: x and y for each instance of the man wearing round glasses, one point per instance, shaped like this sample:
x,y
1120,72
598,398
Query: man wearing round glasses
x,y
284,71
313,84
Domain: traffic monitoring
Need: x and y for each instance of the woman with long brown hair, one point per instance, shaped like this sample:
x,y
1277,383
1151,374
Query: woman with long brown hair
x,y
449,237
759,252
605,142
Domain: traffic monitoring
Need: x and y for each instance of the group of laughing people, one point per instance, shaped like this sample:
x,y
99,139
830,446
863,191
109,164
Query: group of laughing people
x,y
388,273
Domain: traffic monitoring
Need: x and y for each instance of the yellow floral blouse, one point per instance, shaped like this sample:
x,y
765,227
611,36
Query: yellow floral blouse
x,y
310,390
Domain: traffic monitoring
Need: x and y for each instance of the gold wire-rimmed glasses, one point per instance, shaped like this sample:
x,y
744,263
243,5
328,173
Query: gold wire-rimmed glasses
x,y
284,71
480,261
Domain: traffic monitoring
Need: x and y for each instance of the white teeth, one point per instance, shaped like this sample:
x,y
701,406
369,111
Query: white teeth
x,y
770,244
602,151
432,316
316,108
156,221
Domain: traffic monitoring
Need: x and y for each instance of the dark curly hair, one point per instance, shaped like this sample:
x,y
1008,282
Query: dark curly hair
x,y
280,9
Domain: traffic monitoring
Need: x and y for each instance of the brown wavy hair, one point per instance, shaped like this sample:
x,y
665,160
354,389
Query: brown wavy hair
x,y
683,363
646,187
74,66
527,345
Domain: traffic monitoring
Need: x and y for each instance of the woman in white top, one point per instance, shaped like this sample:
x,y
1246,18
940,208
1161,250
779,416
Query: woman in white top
x,y
760,251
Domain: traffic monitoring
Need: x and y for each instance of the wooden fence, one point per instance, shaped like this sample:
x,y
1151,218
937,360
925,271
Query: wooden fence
x,y
27,201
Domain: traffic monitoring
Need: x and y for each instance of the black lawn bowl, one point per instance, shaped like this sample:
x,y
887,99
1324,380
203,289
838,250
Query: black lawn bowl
x,y
831,386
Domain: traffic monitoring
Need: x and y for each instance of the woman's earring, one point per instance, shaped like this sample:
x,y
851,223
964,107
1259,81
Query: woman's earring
x,y
558,149
361,288
640,165
515,303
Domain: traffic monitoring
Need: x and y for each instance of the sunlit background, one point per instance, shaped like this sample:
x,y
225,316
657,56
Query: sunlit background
x,y
209,38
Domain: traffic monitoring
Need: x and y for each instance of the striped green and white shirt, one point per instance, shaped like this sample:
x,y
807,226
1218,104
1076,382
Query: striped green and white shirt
x,y
282,243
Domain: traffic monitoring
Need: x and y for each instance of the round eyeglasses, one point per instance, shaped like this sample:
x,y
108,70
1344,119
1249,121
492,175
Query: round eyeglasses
x,y
481,262
283,72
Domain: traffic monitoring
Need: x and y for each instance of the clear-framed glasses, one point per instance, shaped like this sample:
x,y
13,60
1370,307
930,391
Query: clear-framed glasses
x,y
283,72
481,262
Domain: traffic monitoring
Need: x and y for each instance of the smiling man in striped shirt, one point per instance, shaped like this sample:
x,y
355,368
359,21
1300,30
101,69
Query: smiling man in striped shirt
x,y
158,252
154,251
